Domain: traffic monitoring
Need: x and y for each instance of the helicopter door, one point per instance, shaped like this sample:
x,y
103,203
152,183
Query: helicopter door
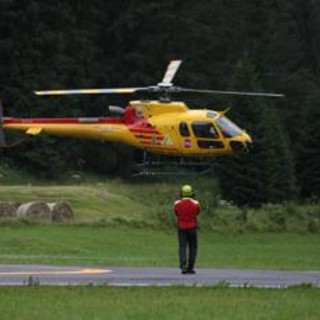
x,y
206,135
185,134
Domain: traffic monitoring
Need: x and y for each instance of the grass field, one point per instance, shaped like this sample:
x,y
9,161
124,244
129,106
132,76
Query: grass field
x,y
124,246
159,303
90,203
150,204
131,224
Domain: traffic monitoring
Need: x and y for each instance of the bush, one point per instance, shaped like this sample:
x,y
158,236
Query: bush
x,y
289,217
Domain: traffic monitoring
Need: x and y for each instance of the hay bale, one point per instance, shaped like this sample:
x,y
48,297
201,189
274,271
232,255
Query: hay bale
x,y
60,211
34,210
8,209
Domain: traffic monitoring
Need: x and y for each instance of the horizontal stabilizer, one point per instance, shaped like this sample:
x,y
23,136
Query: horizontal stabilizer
x,y
34,131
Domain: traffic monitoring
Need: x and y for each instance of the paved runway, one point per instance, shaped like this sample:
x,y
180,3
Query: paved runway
x,y
114,276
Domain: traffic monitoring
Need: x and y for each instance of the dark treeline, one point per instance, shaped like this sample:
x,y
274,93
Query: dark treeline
x,y
265,45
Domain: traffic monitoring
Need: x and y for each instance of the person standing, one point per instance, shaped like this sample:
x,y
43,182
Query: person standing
x,y
186,210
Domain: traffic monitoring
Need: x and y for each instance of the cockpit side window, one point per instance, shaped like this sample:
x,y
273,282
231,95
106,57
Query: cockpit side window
x,y
184,130
204,129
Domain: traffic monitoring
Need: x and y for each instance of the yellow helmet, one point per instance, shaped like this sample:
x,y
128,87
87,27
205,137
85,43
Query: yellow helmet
x,y
186,191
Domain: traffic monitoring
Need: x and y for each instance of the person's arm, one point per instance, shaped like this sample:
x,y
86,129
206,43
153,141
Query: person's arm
x,y
175,208
199,208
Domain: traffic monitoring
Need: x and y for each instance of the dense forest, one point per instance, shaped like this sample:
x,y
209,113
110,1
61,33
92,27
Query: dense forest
x,y
252,45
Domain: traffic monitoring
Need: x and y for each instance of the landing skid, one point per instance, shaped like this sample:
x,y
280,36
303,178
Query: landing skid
x,y
152,165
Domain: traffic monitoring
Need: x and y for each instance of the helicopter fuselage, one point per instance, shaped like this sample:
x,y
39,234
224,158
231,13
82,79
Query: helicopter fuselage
x,y
158,127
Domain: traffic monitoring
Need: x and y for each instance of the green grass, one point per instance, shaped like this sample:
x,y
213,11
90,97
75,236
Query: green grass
x,y
123,246
90,203
108,202
150,204
158,303
131,224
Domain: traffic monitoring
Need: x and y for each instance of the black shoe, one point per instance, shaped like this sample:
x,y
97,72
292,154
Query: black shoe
x,y
190,271
184,271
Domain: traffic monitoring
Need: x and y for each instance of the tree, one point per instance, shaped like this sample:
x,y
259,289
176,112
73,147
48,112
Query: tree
x,y
267,173
308,153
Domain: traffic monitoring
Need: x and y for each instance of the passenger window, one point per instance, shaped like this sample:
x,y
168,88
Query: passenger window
x,y
204,129
184,130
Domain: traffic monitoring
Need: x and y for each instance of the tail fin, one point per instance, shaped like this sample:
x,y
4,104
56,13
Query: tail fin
x,y
3,143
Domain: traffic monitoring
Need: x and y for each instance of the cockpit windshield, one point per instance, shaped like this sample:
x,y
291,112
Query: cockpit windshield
x,y
228,128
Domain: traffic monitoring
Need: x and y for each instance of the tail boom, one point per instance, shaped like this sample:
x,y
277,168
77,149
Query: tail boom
x,y
89,128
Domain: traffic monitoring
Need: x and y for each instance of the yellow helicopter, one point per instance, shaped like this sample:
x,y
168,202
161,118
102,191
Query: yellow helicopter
x,y
155,126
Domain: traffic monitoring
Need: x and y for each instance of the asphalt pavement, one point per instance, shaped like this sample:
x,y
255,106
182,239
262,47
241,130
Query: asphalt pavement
x,y
18,275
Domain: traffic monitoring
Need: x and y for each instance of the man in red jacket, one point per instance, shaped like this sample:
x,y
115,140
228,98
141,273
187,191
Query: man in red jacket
x,y
186,210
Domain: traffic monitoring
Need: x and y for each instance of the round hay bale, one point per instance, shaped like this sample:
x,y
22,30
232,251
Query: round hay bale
x,y
61,211
34,210
8,209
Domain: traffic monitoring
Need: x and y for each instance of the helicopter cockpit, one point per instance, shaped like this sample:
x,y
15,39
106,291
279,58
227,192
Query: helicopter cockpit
x,y
209,133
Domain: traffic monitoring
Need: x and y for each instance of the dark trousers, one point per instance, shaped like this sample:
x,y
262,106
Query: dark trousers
x,y
188,245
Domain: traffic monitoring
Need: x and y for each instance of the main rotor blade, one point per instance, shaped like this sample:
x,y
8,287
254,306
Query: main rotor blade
x,y
86,91
171,71
239,93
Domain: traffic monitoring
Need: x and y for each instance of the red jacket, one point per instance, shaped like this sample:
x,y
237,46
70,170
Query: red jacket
x,y
186,210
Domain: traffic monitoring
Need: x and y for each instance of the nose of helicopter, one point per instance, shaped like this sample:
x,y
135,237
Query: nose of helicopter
x,y
243,143
247,138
